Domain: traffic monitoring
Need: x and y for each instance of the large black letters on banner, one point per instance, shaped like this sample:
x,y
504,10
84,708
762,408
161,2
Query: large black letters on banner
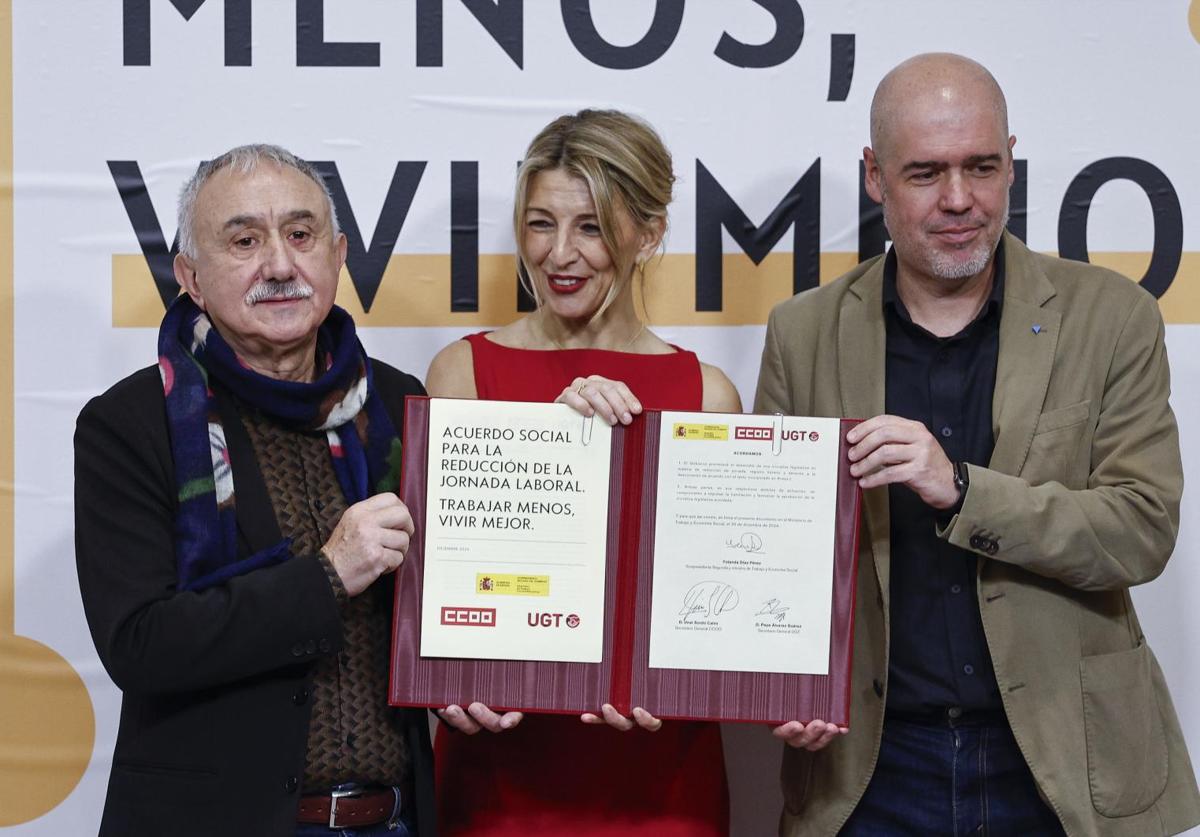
x,y
789,33
367,264
873,235
1164,204
503,20
136,30
464,235
800,209
581,29
131,186
841,67
313,51
1018,200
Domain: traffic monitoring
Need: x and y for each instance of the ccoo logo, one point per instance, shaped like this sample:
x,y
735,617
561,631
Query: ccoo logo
x,y
476,617
758,434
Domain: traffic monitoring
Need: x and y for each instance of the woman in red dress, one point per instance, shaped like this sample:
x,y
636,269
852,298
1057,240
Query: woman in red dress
x,y
590,210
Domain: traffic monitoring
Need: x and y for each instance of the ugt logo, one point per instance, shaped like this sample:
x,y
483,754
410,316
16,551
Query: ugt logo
x,y
551,620
800,435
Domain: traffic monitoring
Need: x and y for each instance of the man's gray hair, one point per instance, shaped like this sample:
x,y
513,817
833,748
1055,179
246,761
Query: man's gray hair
x,y
241,160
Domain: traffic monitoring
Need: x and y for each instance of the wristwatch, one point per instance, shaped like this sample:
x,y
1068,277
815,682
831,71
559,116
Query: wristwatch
x,y
962,480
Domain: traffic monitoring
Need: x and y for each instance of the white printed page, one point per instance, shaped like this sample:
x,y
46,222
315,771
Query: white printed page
x,y
515,532
744,543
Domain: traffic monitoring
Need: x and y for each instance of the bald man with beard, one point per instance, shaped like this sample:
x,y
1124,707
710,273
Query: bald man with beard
x,y
1021,473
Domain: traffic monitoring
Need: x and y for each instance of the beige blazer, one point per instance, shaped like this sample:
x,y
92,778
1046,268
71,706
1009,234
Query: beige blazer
x,y
1079,503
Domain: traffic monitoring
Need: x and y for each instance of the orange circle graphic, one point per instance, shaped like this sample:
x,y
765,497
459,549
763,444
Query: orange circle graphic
x,y
49,728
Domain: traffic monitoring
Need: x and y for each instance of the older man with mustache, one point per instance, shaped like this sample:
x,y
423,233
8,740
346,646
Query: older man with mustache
x,y
236,528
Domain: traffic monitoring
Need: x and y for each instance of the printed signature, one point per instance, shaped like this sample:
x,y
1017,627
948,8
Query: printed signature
x,y
773,607
708,598
748,542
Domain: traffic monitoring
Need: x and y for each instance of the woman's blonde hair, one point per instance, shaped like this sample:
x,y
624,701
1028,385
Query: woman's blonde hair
x,y
626,168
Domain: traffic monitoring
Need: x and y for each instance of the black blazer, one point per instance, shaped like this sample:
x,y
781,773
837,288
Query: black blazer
x,y
215,713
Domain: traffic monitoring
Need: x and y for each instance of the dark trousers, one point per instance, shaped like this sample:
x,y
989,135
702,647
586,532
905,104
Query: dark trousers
x,y
950,777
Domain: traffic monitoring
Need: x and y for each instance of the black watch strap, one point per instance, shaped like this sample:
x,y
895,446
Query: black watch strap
x,y
962,481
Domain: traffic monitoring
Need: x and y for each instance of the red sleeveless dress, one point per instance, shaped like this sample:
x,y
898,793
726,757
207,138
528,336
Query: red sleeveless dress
x,y
553,775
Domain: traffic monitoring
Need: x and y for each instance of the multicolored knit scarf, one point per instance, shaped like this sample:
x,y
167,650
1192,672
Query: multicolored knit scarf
x,y
342,401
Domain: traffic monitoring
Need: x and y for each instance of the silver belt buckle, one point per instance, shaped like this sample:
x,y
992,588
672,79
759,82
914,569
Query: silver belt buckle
x,y
346,791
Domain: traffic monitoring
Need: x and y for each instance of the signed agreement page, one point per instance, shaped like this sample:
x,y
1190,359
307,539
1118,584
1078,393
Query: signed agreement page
x,y
515,532
744,543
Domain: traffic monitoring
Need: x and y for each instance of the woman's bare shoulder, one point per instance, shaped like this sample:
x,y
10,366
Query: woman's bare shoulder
x,y
452,372
720,395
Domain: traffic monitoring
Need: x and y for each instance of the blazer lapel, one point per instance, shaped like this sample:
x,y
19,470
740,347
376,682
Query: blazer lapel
x,y
1028,339
862,355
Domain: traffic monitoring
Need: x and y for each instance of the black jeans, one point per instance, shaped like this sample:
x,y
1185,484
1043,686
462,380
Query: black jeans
x,y
951,777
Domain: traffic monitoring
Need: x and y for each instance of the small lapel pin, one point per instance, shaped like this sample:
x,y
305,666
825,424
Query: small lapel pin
x,y
1037,329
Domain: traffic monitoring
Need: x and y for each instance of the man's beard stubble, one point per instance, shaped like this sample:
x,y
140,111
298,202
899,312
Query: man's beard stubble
x,y
944,265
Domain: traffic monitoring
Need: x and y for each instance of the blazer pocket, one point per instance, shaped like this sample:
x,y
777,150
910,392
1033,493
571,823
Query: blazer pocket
x,y
1059,449
167,770
158,799
1126,745
162,785
1062,417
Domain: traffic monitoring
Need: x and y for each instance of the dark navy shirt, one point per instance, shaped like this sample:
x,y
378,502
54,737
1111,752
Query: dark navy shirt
x,y
939,656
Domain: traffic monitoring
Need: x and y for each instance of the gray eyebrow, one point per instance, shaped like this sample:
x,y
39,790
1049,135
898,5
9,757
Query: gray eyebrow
x,y
249,219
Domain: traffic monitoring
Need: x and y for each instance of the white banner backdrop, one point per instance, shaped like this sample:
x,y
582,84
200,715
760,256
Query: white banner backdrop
x,y
424,107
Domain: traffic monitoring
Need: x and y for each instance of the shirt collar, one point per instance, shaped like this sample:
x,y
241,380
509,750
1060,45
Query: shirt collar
x,y
891,297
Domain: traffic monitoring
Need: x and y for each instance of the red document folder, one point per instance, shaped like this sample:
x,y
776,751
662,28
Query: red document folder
x,y
623,677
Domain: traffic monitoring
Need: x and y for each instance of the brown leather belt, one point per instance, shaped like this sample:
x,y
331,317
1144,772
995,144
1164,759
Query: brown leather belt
x,y
349,808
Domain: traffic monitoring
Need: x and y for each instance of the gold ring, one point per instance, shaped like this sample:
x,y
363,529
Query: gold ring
x,y
582,386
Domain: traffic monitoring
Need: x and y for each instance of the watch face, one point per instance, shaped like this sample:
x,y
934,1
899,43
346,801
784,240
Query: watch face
x,y
961,477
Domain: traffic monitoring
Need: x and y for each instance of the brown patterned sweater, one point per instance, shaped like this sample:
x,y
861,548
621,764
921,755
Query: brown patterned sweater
x,y
353,735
